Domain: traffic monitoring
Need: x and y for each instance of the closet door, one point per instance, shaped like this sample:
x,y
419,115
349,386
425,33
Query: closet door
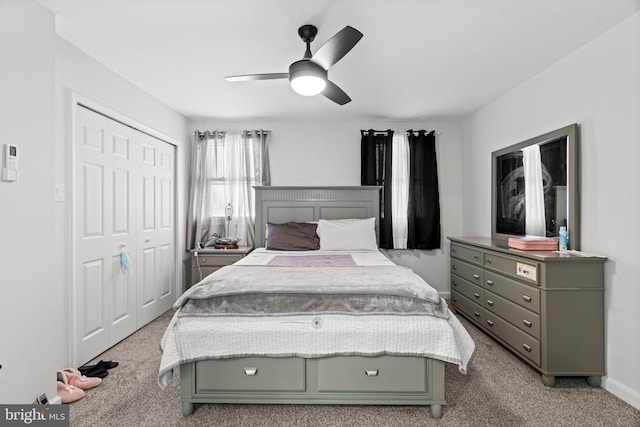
x,y
156,233
124,201
104,293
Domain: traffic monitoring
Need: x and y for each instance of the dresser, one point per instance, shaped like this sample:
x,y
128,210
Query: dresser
x,y
206,261
546,307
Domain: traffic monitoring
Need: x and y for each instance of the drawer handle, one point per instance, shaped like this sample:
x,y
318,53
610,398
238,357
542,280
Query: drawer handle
x,y
526,297
490,302
475,313
489,261
527,323
455,299
490,282
455,283
371,372
489,322
476,257
526,347
476,276
455,267
477,295
251,372
453,250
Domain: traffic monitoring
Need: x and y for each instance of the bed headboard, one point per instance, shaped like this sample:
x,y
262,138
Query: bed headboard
x,y
278,205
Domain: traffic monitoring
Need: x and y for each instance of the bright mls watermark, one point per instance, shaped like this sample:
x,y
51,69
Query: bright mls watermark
x,y
34,415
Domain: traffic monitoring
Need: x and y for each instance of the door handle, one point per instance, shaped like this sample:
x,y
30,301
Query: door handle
x,y
371,372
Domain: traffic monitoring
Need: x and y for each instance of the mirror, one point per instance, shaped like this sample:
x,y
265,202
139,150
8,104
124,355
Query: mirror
x,y
535,188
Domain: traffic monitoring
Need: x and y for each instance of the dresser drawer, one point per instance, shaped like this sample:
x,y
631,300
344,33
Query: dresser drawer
x,y
467,254
251,374
219,260
472,310
468,289
376,374
521,318
522,343
524,295
469,272
514,268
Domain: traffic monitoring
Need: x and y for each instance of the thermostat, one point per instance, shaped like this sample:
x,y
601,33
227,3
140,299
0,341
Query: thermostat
x,y
10,163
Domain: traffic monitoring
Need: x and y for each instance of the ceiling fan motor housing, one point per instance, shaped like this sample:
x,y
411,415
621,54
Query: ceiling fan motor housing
x,y
304,67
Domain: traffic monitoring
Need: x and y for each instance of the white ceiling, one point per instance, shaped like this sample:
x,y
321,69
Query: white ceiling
x,y
418,59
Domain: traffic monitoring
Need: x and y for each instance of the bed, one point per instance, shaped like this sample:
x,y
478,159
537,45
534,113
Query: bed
x,y
338,324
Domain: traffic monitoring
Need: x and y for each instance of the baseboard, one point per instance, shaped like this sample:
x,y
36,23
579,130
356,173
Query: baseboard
x,y
632,397
55,400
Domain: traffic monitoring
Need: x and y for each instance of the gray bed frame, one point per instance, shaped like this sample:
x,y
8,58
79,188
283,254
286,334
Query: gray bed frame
x,y
381,380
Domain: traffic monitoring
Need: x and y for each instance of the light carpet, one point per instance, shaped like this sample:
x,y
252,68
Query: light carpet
x,y
499,390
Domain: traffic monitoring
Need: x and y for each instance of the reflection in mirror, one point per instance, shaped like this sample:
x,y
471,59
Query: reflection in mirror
x,y
535,187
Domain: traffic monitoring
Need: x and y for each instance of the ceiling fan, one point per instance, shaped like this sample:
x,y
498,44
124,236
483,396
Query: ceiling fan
x,y
309,75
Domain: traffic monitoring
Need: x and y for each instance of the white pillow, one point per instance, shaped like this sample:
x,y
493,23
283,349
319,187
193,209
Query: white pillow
x,y
347,235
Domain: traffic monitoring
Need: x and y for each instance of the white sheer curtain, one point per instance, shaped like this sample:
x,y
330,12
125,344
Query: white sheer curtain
x,y
225,167
400,191
535,222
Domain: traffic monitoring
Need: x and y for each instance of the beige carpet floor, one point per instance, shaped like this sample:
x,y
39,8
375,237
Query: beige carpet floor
x,y
499,390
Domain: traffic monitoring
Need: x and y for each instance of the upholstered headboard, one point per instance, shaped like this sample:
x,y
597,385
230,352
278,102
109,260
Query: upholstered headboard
x,y
278,205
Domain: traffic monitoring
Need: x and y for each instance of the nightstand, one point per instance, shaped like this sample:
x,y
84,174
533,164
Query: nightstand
x,y
209,260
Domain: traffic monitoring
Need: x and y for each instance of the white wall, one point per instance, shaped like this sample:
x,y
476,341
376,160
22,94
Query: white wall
x,y
39,72
27,207
598,87
328,153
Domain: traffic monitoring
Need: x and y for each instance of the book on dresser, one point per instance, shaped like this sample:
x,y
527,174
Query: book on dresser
x,y
546,307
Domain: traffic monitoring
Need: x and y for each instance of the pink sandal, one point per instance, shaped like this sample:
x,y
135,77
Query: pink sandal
x,y
75,378
69,393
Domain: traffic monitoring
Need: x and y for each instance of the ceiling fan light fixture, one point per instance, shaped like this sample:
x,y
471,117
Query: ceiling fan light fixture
x,y
308,85
307,78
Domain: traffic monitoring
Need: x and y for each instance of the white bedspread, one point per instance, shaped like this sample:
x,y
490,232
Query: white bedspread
x,y
189,339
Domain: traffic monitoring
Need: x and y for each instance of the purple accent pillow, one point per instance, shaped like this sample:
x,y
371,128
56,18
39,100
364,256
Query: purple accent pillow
x,y
292,236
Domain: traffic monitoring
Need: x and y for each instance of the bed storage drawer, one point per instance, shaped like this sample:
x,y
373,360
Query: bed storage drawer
x,y
375,374
251,374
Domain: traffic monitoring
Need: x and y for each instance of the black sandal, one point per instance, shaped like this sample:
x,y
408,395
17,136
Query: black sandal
x,y
93,371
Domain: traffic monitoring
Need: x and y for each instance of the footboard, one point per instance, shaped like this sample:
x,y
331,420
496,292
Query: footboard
x,y
384,380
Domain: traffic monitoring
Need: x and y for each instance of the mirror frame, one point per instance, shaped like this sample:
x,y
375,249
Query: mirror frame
x,y
573,184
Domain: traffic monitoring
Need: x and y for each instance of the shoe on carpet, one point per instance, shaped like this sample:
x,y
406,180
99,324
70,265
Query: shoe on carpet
x,y
103,364
74,377
69,393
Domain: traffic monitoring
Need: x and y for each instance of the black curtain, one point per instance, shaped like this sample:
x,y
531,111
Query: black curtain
x,y
424,197
375,169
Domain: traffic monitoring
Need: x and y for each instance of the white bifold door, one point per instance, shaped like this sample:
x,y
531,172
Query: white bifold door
x,y
124,232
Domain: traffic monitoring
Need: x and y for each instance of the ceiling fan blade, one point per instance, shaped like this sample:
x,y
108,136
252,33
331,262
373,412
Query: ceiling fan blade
x,y
336,47
250,77
335,94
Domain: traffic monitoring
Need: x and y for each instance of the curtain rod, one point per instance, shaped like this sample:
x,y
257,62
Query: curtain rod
x,y
385,132
223,132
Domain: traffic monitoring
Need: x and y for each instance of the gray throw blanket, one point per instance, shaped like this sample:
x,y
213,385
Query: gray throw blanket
x,y
243,290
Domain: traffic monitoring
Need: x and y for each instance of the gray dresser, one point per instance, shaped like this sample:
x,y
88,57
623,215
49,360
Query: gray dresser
x,y
546,307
